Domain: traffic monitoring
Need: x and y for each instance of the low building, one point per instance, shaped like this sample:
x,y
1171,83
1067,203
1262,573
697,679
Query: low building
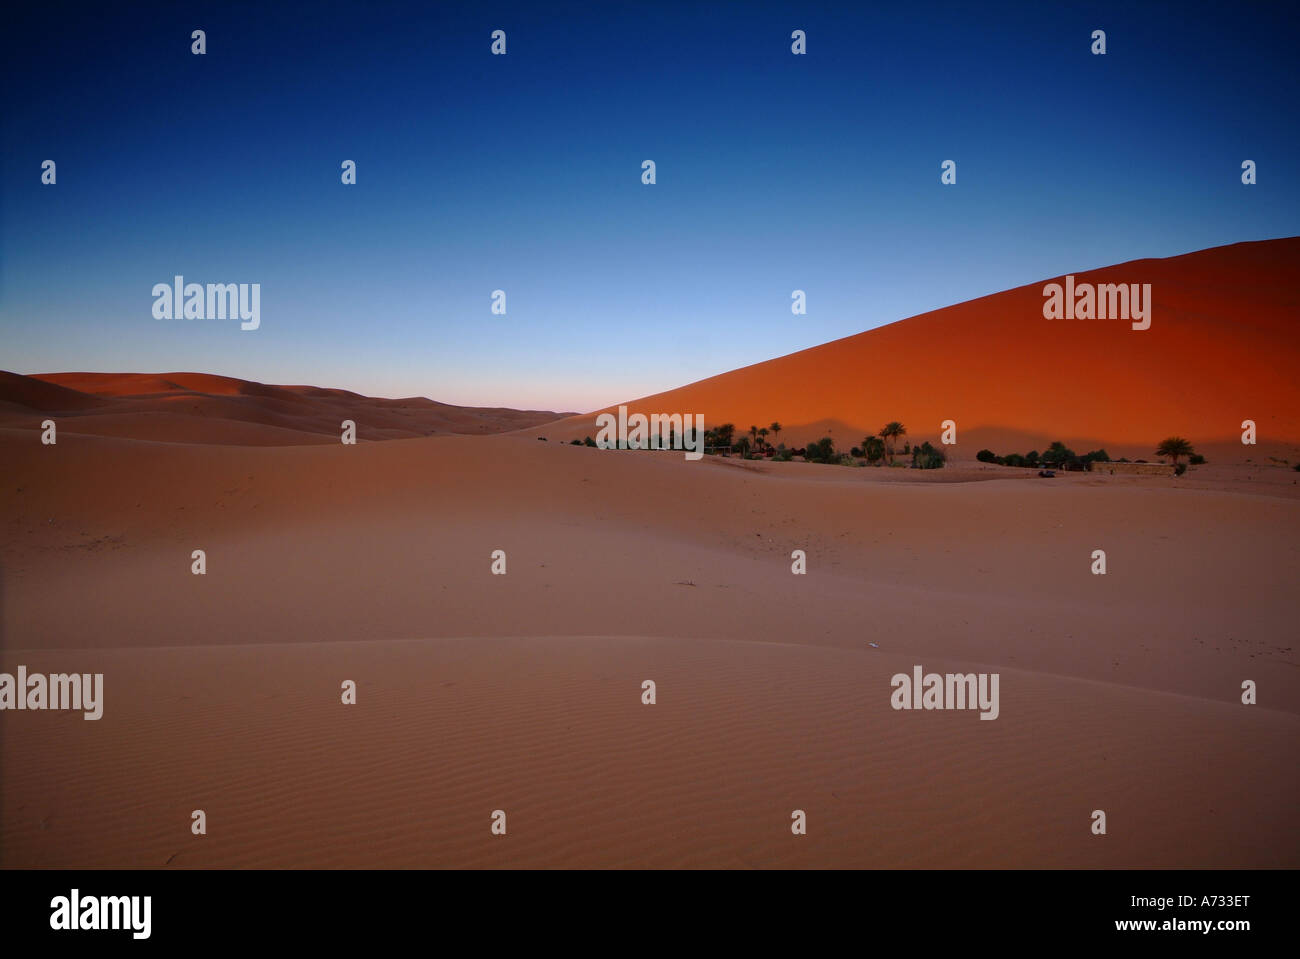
x,y
1142,469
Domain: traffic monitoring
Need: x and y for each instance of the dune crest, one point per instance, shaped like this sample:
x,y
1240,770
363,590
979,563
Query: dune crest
x,y
1222,347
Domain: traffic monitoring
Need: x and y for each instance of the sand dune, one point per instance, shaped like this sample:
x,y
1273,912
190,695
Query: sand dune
x,y
1223,346
522,692
203,408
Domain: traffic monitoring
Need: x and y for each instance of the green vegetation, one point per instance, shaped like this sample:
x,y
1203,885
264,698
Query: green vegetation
x,y
1174,447
822,451
1057,456
890,433
754,444
719,437
927,457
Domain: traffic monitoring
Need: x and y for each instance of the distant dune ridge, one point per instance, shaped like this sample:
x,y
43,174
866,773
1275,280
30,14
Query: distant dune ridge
x,y
1222,347
203,408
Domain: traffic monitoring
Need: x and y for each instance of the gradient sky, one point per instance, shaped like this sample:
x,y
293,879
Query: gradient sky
x,y
522,172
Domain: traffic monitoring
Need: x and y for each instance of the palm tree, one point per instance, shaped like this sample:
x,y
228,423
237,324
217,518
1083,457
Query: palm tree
x,y
763,434
753,432
776,429
890,433
1174,447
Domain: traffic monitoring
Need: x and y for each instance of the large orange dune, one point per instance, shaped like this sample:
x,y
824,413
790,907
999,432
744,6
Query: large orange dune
x,y
204,408
1223,346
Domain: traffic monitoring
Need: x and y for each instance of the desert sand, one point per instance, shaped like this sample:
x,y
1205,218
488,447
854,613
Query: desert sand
x,y
522,692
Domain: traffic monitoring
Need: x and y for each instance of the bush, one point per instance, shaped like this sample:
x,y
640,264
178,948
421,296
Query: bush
x,y
1296,467
927,457
1180,469
1198,460
823,451
588,442
783,455
1057,454
575,443
873,447
856,451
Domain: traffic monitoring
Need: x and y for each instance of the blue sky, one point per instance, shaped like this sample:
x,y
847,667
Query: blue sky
x,y
478,172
